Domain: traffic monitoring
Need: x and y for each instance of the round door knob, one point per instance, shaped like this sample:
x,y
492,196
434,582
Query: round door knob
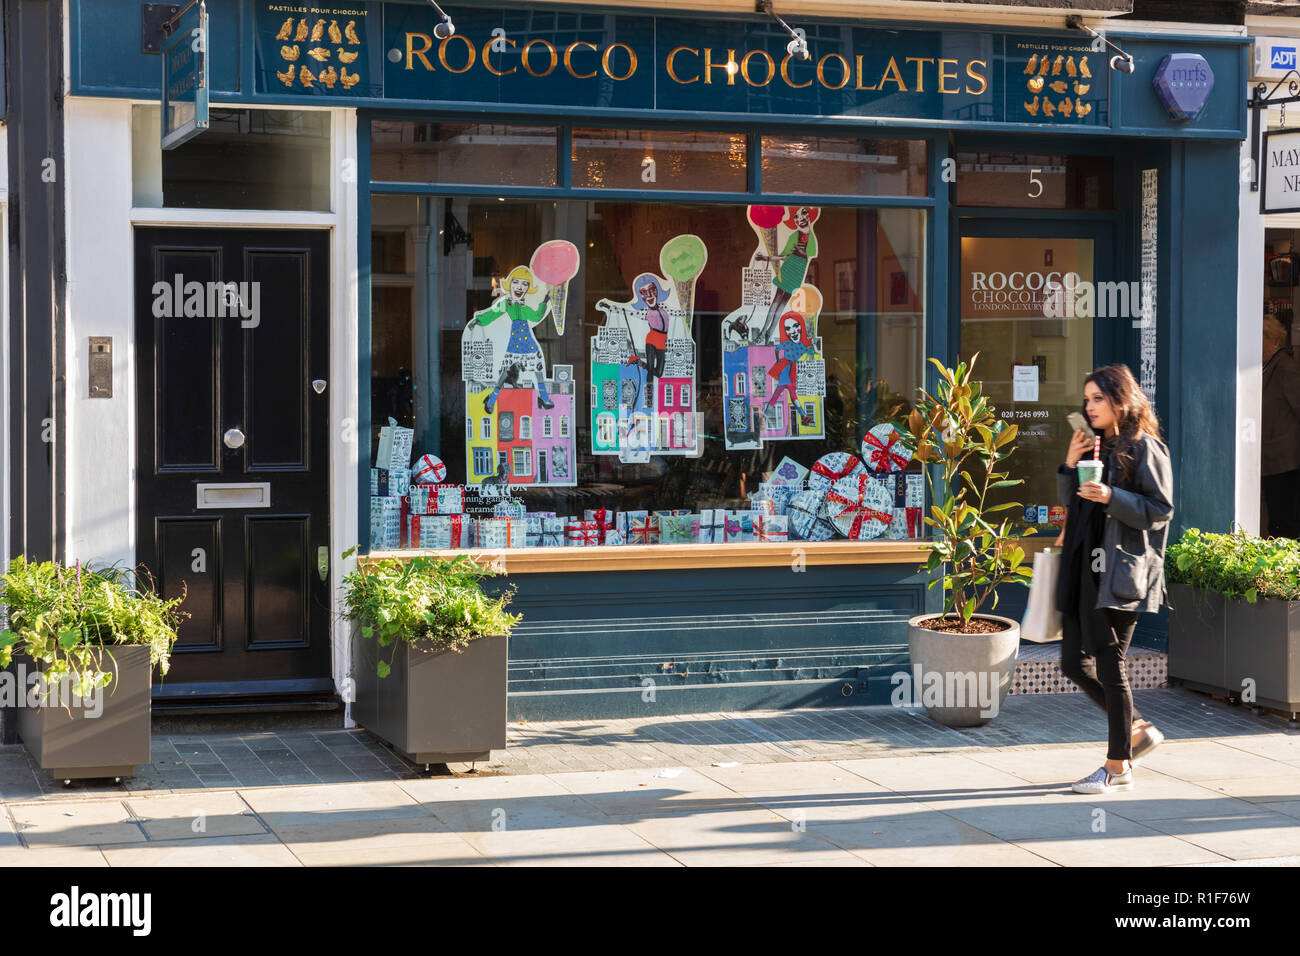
x,y
233,438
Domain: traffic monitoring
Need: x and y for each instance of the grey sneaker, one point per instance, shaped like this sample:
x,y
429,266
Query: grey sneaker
x,y
1103,781
1151,739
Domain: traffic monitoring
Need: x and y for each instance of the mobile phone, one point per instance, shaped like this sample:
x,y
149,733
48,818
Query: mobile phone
x,y
1079,423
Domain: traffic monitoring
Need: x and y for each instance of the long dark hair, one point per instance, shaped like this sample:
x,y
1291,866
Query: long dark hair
x,y
1133,412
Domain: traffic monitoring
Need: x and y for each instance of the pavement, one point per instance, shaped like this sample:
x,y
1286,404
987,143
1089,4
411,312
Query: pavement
x,y
861,786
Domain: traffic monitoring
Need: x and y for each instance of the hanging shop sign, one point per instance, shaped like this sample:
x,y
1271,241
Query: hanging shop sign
x,y
185,76
1281,169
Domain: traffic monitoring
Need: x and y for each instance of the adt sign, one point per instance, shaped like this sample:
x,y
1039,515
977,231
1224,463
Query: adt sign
x,y
1183,82
1282,58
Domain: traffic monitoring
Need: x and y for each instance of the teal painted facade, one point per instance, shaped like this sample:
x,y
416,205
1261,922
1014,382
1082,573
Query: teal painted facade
x,y
679,640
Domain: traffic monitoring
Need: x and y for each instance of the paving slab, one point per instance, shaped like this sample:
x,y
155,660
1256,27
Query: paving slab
x,y
228,851
729,838
642,793
290,806
925,839
194,816
786,776
1238,837
59,856
1211,760
86,823
1279,789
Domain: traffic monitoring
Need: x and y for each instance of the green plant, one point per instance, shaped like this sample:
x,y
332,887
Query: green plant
x,y
435,602
1237,565
947,429
66,618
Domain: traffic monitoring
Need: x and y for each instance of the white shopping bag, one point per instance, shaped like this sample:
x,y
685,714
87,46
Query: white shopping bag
x,y
1042,621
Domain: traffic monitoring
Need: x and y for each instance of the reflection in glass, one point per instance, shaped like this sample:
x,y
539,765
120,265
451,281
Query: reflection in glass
x,y
464,153
839,166
649,159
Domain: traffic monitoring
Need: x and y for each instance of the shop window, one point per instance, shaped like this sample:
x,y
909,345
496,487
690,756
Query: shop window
x,y
660,159
246,159
622,432
463,153
1035,181
841,166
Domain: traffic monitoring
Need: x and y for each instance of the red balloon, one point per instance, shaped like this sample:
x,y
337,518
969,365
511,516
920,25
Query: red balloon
x,y
766,217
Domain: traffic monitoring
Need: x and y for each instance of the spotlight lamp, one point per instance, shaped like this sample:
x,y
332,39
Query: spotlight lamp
x,y
798,46
1121,62
446,28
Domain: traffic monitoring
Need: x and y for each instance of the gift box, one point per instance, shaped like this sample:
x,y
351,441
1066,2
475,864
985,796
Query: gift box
x,y
807,516
623,520
544,531
510,508
860,506
385,523
438,531
914,490
394,446
771,528
829,469
761,505
500,533
679,528
614,537
582,534
672,512
604,519
437,499
713,523
883,449
644,530
739,526
779,493
389,482
429,470
789,472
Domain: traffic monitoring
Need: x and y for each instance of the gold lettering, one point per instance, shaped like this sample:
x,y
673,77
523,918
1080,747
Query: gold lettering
x,y
971,72
771,67
785,75
944,76
487,48
859,85
528,65
471,53
568,60
729,67
411,51
920,62
631,58
896,78
821,71
672,67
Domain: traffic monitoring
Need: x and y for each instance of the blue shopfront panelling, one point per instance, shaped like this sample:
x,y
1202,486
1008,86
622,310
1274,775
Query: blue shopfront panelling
x,y
1226,107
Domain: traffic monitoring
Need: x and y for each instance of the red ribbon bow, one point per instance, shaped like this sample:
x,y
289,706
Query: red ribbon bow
x,y
882,459
860,513
763,533
821,468
585,532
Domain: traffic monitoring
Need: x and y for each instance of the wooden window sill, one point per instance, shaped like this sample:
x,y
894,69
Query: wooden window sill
x,y
658,557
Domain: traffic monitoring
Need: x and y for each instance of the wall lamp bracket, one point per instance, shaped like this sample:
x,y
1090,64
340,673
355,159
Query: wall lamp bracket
x,y
1121,62
446,28
798,45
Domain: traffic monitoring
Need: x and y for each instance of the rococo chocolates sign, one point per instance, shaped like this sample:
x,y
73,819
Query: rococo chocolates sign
x,y
503,57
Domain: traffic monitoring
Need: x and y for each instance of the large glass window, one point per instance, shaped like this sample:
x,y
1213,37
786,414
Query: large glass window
x,y
486,154
840,166
1035,181
640,159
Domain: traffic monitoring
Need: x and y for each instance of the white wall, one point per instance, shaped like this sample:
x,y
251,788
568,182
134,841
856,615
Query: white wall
x,y
1250,351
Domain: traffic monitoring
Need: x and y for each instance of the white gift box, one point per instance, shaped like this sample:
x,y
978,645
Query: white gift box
x,y
437,499
438,531
389,482
395,444
385,523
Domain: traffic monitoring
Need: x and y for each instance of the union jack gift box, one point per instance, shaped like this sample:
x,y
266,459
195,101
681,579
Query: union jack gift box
x,y
438,531
644,530
500,533
385,523
623,519
679,529
437,499
582,534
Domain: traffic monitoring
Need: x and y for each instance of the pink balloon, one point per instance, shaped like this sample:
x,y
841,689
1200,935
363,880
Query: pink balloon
x,y
555,262
766,217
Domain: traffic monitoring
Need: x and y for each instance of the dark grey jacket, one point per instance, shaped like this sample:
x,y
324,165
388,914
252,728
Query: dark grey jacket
x,y
1137,527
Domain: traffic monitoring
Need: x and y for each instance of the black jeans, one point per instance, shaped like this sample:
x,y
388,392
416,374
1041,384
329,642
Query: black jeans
x,y
1282,492
1103,676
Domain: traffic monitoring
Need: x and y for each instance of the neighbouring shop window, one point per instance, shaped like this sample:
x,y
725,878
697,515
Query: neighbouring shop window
x,y
642,373
665,159
1035,181
246,159
831,165
463,153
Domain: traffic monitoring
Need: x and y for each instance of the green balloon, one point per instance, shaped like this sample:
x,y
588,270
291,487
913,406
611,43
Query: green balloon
x,y
683,257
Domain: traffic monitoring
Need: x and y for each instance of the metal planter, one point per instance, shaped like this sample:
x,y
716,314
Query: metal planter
x,y
109,738
1263,649
1198,622
434,706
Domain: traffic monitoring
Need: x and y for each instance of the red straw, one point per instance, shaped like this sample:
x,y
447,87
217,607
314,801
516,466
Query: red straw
x,y
1096,449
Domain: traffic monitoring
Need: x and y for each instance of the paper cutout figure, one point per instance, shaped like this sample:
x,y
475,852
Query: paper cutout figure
x,y
773,370
519,422
643,362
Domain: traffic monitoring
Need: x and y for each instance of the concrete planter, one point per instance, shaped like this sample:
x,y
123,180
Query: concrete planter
x,y
434,706
959,676
1197,638
1262,646
107,738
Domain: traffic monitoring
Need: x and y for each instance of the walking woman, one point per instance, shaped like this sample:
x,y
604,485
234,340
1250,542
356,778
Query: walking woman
x,y
1112,562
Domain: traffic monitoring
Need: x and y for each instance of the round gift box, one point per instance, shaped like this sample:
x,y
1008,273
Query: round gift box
x,y
830,468
889,454
807,517
852,504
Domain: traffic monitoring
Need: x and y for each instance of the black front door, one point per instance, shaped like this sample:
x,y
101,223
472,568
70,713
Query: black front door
x,y
232,329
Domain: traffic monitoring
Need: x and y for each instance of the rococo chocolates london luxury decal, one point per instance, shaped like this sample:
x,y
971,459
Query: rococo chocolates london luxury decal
x,y
318,49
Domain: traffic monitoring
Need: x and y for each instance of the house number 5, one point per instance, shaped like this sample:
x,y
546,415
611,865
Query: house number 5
x,y
1035,181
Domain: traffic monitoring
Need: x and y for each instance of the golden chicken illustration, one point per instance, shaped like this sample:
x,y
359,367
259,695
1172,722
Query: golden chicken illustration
x,y
286,30
302,32
318,31
1058,87
336,35
350,31
1083,68
1057,64
287,76
328,77
1044,65
1029,67
346,57
1081,108
289,53
1065,108
1081,88
305,76
319,53
1070,69
1048,108
1035,84
348,80
1031,107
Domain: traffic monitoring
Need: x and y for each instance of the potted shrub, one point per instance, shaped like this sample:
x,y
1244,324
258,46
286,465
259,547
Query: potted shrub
x,y
429,657
85,642
1234,618
964,659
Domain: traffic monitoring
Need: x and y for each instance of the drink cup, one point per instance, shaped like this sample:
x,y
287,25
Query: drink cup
x,y
1089,471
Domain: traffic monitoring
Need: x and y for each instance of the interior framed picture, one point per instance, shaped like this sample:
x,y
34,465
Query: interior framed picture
x,y
846,288
896,294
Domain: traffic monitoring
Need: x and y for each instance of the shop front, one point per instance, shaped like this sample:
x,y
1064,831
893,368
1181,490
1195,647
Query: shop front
x,y
630,306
